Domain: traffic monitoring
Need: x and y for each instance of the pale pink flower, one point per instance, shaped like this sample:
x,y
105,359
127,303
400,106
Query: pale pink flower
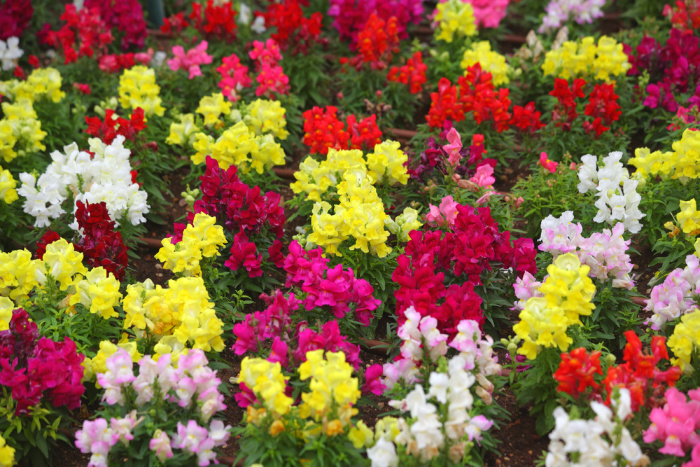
x,y
160,443
484,176
452,149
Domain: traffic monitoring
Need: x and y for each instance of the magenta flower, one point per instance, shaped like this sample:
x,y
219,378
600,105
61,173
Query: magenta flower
x,y
547,164
373,382
234,77
278,352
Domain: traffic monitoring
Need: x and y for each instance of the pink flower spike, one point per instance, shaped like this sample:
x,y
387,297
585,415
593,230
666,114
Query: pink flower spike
x,y
484,176
452,149
547,164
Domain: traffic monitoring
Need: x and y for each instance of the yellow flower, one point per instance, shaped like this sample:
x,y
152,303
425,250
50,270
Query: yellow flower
x,y
20,274
265,116
21,130
41,83
683,163
7,186
64,263
568,292
182,133
266,380
6,309
360,435
255,415
99,292
685,339
490,61
332,384
455,19
107,349
7,454
138,88
388,160
689,217
586,58
211,107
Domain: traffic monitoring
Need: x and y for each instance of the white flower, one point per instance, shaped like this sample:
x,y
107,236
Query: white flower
x,y
10,52
383,454
258,25
438,386
588,174
244,14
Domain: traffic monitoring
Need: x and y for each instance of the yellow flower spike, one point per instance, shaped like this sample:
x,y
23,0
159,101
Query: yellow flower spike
x,y
7,454
685,339
6,309
212,107
360,435
138,88
333,428
64,263
99,292
455,20
388,160
266,117
689,217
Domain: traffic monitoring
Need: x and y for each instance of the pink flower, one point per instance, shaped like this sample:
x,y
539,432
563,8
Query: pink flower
x,y
271,80
190,60
234,77
675,424
267,53
160,443
84,88
452,149
373,383
547,164
484,176
278,352
189,437
445,215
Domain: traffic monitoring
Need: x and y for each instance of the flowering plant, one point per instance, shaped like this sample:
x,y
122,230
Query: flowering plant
x,y
38,378
137,420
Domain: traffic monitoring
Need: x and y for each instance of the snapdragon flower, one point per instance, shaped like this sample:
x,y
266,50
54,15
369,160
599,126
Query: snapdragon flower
x,y
618,199
10,53
105,177
558,12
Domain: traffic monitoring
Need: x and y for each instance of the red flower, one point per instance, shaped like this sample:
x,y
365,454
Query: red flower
x,y
565,112
444,105
217,21
526,118
108,129
411,74
576,370
34,61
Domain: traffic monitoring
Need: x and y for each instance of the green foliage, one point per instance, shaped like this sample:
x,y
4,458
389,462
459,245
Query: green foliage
x,y
537,387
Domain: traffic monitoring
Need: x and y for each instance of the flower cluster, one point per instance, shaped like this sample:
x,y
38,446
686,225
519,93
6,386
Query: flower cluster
x,y
191,60
182,310
674,297
423,345
618,200
684,342
385,164
238,146
234,77
114,125
20,130
672,68
333,287
475,93
567,293
271,78
216,19
200,239
126,15
677,424
488,60
472,245
640,373
603,440
576,371
20,275
603,108
689,217
7,454
323,130
86,25
441,422
265,379
558,12
105,176
376,43
35,368
15,17
293,29
41,84
601,61
138,88
683,163
454,19
189,384
412,74
7,186
604,252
